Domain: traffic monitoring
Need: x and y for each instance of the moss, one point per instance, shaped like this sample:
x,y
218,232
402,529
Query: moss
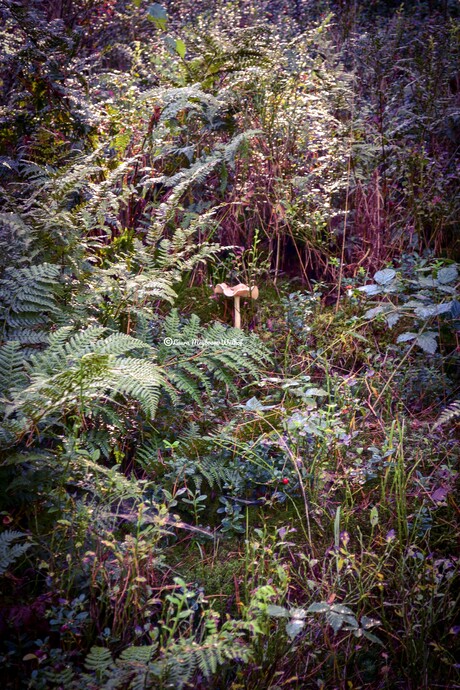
x,y
217,575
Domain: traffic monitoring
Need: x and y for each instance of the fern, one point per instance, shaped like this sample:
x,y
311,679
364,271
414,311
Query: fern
x,y
12,376
9,552
12,380
179,253
147,455
16,237
181,660
140,655
62,679
98,660
216,57
63,347
28,302
197,173
450,413
119,289
101,439
134,664
199,357
213,471
140,380
88,369
185,658
176,100
90,372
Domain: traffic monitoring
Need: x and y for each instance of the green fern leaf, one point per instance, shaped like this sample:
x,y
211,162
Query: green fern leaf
x,y
450,413
99,659
9,552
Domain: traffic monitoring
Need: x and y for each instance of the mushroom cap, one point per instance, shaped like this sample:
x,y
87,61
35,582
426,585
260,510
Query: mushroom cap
x,y
240,290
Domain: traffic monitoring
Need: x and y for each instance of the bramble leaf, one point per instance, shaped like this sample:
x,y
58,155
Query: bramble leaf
x,y
157,14
384,277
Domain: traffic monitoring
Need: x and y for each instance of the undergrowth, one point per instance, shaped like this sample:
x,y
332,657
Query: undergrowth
x,y
185,504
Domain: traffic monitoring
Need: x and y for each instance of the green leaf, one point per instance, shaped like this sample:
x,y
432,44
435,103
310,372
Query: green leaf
x,y
372,637
455,309
315,391
367,622
374,517
392,319
170,43
343,610
404,337
371,289
337,528
427,282
158,15
254,405
277,611
427,341
433,310
294,627
335,620
180,48
376,311
318,607
384,277
447,274
298,613
351,623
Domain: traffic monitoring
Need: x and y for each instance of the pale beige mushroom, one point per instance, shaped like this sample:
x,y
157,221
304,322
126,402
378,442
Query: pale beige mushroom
x,y
240,290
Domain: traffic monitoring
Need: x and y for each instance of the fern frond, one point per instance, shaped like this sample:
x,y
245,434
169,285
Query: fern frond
x,y
16,237
185,658
65,347
62,678
213,471
450,413
100,439
99,659
89,368
28,301
9,552
12,376
121,344
138,379
190,97
231,149
197,357
137,654
199,171
181,381
147,454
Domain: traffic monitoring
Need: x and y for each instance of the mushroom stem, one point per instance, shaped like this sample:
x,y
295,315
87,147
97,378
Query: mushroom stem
x,y
236,292
237,312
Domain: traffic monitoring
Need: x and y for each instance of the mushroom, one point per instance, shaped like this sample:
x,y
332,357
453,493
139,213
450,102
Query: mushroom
x,y
236,292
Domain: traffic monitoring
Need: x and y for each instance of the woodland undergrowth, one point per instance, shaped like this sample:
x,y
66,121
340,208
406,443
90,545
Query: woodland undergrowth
x,y
185,504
